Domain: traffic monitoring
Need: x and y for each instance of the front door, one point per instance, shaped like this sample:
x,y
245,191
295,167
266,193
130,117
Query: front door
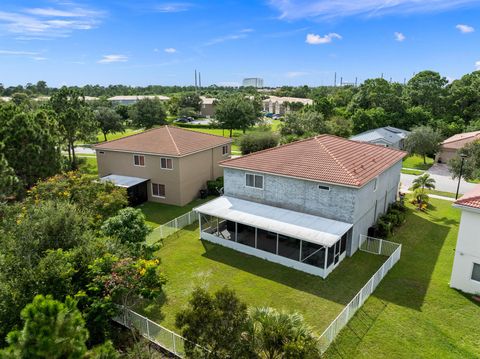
x,y
336,258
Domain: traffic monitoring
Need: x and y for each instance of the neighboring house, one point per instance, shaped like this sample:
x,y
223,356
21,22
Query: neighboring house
x,y
466,265
5,98
281,105
384,136
130,100
304,204
450,146
166,164
208,106
47,98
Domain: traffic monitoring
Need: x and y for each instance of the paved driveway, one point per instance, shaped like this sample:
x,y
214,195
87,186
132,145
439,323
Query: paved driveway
x,y
443,180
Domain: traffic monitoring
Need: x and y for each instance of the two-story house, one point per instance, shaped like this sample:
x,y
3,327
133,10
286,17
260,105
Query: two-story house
x,y
466,265
166,164
304,204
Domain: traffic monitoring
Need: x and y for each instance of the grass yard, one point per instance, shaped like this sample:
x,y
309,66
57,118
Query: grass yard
x,y
159,213
412,172
414,313
188,262
416,162
117,135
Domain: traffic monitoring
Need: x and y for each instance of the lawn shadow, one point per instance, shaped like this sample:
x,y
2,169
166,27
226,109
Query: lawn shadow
x,y
152,309
340,286
422,240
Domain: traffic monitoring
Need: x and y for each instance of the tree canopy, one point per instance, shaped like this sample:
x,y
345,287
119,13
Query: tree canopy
x,y
147,113
236,112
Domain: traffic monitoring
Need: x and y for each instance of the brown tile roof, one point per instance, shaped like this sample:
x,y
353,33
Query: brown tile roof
x,y
165,140
324,158
459,140
471,198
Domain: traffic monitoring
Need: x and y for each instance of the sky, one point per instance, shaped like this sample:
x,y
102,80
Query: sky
x,y
285,42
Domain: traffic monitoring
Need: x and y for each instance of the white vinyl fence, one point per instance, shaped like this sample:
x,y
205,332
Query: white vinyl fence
x,y
173,226
152,331
371,245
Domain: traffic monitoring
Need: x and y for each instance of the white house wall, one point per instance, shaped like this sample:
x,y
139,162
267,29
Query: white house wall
x,y
467,252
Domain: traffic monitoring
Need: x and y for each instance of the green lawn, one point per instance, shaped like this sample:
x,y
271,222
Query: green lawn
x,y
441,193
188,262
414,313
159,213
416,162
117,135
412,172
90,165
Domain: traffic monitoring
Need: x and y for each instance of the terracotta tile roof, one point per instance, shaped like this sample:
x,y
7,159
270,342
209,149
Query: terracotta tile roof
x,y
459,140
471,198
324,158
165,140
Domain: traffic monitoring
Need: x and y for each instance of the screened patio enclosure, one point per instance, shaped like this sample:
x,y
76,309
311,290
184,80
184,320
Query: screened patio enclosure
x,y
302,241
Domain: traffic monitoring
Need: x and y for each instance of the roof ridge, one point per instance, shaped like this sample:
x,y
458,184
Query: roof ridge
x,y
269,149
173,140
336,160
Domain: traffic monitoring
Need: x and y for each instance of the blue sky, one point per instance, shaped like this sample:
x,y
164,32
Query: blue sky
x,y
287,42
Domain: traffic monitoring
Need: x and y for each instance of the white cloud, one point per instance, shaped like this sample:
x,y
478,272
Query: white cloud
x,y
477,65
399,36
301,9
465,29
314,39
170,50
173,7
39,58
294,74
18,53
236,36
44,23
107,59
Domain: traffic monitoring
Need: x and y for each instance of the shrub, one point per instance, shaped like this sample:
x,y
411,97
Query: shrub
x,y
258,141
215,186
399,206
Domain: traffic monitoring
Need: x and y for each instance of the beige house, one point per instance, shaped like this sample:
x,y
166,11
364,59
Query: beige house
x,y
207,108
166,164
451,145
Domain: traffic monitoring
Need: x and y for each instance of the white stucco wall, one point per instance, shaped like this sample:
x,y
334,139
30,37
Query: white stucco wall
x,y
467,252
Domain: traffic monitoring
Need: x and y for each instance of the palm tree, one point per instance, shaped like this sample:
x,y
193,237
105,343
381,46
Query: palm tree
x,y
423,182
271,334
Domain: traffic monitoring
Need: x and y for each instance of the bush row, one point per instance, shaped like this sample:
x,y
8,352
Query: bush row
x,y
387,222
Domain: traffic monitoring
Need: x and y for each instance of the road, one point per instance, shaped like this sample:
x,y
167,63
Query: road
x,y
443,180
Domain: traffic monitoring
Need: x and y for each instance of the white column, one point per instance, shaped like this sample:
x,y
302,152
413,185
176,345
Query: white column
x,y
300,254
200,224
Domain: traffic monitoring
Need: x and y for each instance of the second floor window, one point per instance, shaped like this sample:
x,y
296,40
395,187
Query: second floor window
x,y
166,163
255,181
139,160
225,150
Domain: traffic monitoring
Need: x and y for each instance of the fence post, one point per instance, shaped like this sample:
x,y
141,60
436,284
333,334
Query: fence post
x,y
190,217
176,223
174,344
380,247
148,330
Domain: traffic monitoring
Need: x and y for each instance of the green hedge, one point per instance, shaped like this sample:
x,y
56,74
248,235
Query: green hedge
x,y
394,217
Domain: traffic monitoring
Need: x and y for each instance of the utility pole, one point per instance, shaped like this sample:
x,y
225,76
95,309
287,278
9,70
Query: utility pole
x,y
356,82
341,81
199,80
335,80
195,80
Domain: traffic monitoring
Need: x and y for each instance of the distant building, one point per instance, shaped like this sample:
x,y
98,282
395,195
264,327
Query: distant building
x,y
466,264
384,136
130,100
451,145
253,82
281,105
207,108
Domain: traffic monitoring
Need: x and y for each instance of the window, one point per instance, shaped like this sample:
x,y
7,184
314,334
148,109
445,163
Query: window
x,y
225,150
158,190
476,272
101,152
288,247
139,160
325,188
166,163
255,181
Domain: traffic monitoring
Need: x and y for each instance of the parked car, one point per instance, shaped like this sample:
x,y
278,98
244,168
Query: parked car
x,y
269,115
276,117
182,120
